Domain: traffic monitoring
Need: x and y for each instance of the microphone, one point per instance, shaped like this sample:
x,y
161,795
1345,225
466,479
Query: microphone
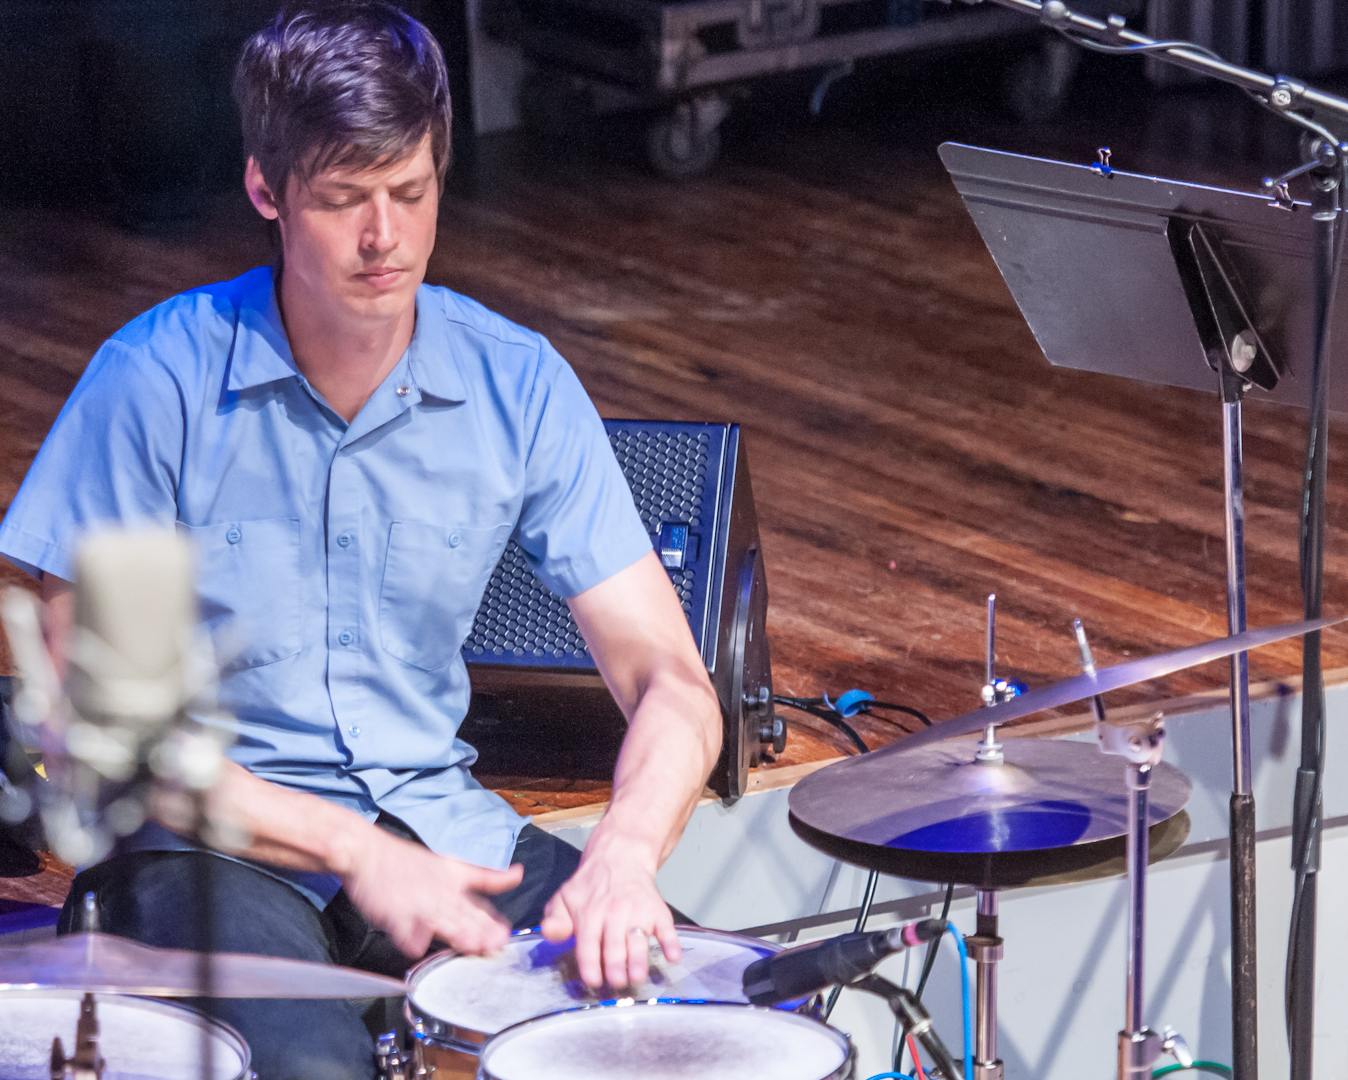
x,y
135,613
799,972
135,668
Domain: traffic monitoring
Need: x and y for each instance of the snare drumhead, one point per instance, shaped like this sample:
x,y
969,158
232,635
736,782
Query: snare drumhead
x,y
139,1039
533,976
669,1041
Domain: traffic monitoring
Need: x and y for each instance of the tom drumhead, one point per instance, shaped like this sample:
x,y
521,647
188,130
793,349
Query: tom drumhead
x,y
669,1041
139,1039
459,1000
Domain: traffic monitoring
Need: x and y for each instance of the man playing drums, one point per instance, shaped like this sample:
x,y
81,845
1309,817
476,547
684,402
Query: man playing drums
x,y
350,450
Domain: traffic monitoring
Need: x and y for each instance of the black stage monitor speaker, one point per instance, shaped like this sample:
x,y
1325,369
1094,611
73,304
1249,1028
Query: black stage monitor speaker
x,y
539,707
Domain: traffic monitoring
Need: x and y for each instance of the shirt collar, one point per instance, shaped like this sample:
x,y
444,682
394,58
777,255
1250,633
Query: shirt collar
x,y
431,358
262,351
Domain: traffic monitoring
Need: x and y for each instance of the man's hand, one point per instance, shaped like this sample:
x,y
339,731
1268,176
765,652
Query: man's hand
x,y
612,906
416,896
410,893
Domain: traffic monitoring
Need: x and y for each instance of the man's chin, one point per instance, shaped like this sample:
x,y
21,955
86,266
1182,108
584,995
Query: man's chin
x,y
382,303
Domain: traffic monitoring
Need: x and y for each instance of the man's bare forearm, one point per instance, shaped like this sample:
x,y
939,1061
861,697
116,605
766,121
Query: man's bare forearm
x,y
285,828
672,742
640,638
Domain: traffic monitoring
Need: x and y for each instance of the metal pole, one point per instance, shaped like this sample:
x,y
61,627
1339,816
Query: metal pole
x,y
1137,1052
989,751
1244,982
985,949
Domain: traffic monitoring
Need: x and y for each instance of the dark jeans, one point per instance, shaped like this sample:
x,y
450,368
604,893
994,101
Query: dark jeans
x,y
151,897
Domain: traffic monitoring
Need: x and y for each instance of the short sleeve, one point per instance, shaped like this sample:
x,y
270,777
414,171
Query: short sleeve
x,y
578,524
113,455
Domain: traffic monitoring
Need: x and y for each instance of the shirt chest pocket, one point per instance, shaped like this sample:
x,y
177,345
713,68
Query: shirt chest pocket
x,y
248,576
434,577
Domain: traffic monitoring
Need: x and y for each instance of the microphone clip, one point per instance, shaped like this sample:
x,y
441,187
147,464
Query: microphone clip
x,y
915,1019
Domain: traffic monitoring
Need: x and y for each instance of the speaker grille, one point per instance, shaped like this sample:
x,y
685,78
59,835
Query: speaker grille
x,y
667,467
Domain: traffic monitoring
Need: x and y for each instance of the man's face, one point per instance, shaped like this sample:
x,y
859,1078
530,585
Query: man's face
x,y
358,238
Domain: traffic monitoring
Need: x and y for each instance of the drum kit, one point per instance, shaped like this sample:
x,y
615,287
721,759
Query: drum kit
x,y
988,815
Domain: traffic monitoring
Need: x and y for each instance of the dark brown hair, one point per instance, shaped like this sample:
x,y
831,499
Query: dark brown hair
x,y
358,83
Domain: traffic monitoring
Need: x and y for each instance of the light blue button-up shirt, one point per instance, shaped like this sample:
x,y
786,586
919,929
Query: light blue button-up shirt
x,y
340,565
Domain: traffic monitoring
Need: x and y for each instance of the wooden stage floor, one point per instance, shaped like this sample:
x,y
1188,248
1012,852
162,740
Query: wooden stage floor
x,y
910,449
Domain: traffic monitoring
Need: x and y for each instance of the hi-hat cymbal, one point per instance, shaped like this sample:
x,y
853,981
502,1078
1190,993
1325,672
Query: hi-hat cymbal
x,y
104,963
1084,686
1053,807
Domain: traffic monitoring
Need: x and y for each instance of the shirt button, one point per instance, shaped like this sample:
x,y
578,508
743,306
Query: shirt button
x,y
455,540
346,637
233,536
343,540
403,391
355,731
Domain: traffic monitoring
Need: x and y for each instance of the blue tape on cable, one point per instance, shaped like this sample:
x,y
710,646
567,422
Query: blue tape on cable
x,y
849,704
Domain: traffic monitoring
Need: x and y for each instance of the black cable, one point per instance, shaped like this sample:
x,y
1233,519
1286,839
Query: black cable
x,y
930,960
1312,584
823,705
829,716
928,963
824,709
868,706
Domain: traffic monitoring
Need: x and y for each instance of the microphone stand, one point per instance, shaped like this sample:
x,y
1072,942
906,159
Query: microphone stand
x,y
915,1020
1297,103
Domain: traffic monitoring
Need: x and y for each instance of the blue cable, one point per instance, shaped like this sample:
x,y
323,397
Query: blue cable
x,y
965,1002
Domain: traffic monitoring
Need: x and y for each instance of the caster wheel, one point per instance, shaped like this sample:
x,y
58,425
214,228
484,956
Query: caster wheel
x,y
677,150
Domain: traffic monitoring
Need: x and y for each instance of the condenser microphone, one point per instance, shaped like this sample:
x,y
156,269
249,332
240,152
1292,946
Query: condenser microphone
x,y
799,972
129,651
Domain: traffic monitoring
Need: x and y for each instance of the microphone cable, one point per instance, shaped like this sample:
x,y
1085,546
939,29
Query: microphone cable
x,y
928,962
836,712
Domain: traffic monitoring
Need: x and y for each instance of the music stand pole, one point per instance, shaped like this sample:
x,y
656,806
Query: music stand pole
x,y
1244,981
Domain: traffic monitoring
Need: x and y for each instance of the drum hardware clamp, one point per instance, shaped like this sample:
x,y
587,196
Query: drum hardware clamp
x,y
85,1063
393,1063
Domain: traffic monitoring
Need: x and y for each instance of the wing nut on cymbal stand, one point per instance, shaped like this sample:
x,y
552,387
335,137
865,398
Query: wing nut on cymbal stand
x,y
995,691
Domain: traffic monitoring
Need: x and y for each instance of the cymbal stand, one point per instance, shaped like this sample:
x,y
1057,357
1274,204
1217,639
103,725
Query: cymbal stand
x,y
1141,745
85,1063
984,945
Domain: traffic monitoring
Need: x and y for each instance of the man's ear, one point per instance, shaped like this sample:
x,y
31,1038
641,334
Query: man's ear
x,y
259,193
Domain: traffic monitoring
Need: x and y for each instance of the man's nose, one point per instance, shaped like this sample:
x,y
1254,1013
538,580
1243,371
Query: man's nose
x,y
378,235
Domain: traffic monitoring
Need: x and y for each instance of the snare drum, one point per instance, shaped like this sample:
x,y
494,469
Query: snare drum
x,y
139,1039
669,1040
454,1003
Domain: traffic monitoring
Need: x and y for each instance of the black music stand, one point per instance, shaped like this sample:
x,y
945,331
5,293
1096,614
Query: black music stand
x,y
1178,284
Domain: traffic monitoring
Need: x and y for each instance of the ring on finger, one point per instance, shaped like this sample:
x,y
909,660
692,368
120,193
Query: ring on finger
x,y
640,930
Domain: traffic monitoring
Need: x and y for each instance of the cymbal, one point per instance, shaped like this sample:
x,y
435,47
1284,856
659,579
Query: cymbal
x,y
1004,869
1081,687
1053,807
106,964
